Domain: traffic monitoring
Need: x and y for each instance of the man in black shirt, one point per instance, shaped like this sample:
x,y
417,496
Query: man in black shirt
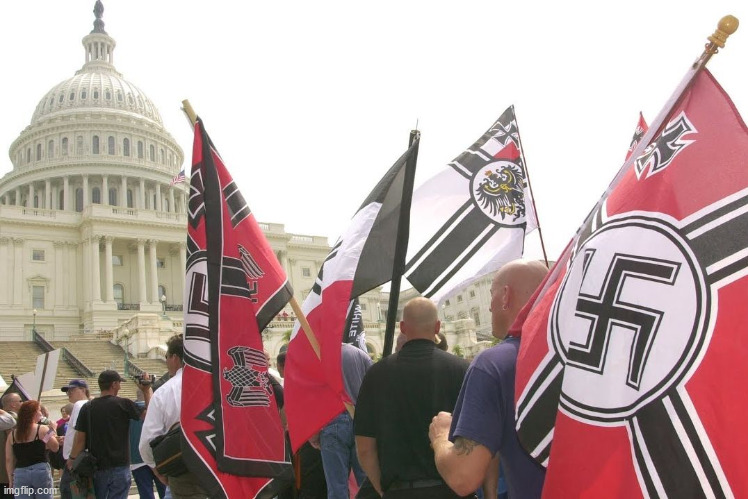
x,y
103,427
395,406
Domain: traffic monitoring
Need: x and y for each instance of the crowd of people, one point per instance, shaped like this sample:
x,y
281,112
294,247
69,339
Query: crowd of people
x,y
421,423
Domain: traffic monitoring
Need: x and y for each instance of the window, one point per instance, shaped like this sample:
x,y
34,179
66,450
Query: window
x,y
51,149
129,198
79,200
64,146
119,96
475,315
140,149
108,94
62,97
110,145
61,200
119,295
72,96
83,94
126,147
306,272
79,145
160,264
459,298
152,152
37,296
96,93
28,155
37,255
462,315
472,293
162,157
363,306
95,144
38,152
36,201
113,196
117,260
96,195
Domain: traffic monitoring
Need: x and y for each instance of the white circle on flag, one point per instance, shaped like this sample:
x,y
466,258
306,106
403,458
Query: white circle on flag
x,y
629,318
498,189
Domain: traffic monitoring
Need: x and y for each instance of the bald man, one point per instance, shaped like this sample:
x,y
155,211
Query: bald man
x,y
398,397
468,444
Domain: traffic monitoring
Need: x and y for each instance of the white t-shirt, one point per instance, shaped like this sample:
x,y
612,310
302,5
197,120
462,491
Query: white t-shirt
x,y
67,446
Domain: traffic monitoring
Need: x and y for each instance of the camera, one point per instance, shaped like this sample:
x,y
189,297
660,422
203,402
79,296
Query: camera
x,y
145,379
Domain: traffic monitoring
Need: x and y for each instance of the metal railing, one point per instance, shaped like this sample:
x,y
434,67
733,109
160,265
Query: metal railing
x,y
68,357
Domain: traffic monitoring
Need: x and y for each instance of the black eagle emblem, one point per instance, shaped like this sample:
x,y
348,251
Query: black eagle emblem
x,y
250,386
501,191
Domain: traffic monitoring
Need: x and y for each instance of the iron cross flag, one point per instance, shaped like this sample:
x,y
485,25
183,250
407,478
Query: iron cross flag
x,y
633,359
471,218
233,439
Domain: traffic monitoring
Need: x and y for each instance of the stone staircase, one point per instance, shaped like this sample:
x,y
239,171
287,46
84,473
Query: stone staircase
x,y
18,357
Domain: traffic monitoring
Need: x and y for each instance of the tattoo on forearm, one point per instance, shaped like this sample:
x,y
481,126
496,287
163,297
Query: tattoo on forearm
x,y
464,446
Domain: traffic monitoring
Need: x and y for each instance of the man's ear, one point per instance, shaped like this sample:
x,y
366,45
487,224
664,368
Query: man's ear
x,y
438,327
506,298
402,328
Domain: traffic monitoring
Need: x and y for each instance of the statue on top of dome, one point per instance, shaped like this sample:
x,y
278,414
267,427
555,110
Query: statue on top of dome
x,y
99,13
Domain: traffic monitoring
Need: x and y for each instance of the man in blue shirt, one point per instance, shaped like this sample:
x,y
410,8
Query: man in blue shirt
x,y
468,443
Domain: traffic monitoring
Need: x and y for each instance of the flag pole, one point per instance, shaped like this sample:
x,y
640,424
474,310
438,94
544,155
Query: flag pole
x,y
401,244
529,186
192,117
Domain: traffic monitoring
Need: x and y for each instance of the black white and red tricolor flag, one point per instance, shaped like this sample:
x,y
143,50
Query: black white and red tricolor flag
x,y
233,437
472,217
631,374
362,259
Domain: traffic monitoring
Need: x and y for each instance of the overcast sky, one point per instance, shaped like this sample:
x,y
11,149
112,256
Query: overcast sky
x,y
309,103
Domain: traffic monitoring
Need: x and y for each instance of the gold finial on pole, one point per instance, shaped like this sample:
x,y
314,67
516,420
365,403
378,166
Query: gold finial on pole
x,y
187,108
726,27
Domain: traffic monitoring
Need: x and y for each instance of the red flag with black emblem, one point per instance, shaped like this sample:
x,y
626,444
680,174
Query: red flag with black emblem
x,y
632,362
233,439
641,129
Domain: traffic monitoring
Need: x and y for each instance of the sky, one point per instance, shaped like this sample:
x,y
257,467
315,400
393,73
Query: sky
x,y
309,103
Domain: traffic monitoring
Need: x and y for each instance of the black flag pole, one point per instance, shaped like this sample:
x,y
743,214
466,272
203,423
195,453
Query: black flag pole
x,y
401,245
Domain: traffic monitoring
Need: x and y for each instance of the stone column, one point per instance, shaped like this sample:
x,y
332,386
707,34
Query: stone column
x,y
18,196
172,207
17,271
108,270
5,266
96,269
123,194
182,258
141,271
47,194
30,202
104,190
71,297
59,282
154,271
141,195
66,196
85,191
159,206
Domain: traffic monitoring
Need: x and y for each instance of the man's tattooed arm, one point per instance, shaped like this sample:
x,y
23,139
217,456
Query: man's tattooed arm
x,y
464,446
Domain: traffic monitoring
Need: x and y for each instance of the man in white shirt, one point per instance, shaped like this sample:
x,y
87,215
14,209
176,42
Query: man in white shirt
x,y
163,413
78,394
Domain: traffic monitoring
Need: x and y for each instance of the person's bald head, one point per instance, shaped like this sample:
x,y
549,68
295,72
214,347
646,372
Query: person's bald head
x,y
511,287
11,402
420,319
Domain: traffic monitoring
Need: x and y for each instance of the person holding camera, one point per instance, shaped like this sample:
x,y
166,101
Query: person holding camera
x,y
103,427
163,413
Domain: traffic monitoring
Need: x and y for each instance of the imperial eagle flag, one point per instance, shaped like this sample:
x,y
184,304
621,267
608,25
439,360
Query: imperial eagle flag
x,y
471,218
630,376
233,440
362,259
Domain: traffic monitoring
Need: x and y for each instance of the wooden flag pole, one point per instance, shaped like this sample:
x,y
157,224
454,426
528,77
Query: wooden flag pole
x,y
726,27
192,116
529,186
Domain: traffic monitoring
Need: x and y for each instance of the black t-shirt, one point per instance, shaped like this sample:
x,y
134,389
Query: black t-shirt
x,y
110,432
398,399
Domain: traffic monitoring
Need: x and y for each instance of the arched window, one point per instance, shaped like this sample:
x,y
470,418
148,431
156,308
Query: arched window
x,y
28,155
72,96
95,144
51,149
129,198
96,195
64,146
61,200
113,196
475,314
38,152
79,200
153,204
152,153
83,93
108,94
110,145
140,149
119,96
119,295
166,205
36,201
96,93
126,147
163,157
79,145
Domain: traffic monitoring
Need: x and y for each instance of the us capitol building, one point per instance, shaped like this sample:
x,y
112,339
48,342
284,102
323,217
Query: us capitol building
x,y
93,229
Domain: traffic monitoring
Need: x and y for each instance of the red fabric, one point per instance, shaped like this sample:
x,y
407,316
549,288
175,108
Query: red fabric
x,y
248,436
595,459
